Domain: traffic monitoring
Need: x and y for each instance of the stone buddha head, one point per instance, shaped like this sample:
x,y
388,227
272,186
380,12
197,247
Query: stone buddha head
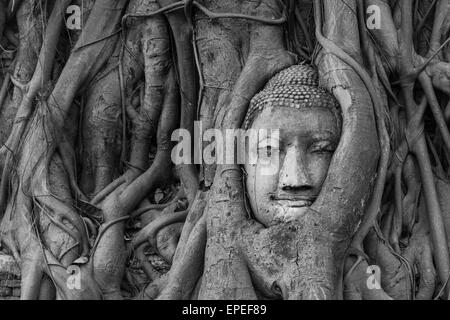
x,y
308,120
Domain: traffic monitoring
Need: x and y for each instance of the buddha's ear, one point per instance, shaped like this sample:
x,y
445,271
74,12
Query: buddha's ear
x,y
353,168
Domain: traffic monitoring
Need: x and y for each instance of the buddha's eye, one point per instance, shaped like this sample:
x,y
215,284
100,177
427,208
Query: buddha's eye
x,y
322,147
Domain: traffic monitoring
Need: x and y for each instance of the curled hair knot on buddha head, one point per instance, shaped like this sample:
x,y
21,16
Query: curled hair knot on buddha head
x,y
295,87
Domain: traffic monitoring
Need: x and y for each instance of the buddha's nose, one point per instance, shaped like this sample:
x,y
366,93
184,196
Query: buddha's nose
x,y
293,174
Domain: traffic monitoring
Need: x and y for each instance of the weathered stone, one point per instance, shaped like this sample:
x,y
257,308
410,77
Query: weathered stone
x,y
5,292
8,265
10,283
16,292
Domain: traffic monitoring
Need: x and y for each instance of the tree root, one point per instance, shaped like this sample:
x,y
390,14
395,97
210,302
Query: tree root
x,y
152,273
438,235
167,241
151,207
149,233
39,143
61,211
108,190
182,31
38,82
356,285
4,89
396,274
375,204
196,211
2,18
188,266
419,254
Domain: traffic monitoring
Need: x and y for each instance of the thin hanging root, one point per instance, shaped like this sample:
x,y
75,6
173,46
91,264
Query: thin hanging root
x,y
357,288
413,132
196,211
61,211
150,232
412,197
103,230
387,222
439,168
212,15
67,251
4,89
397,221
435,108
304,28
384,78
13,6
68,158
439,20
182,30
136,191
108,190
23,87
59,223
64,212
4,184
151,207
424,19
185,273
91,227
419,253
179,196
2,18
396,270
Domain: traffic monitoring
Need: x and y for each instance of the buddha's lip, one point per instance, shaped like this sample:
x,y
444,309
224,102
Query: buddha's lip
x,y
296,204
291,197
295,201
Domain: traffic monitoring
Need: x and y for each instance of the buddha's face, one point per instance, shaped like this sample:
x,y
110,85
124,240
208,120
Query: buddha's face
x,y
307,140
